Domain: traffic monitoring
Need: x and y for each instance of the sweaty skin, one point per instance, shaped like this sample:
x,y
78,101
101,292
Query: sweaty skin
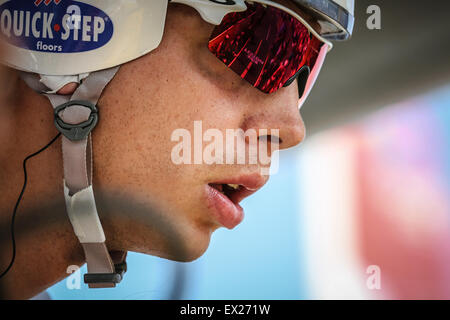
x,y
146,203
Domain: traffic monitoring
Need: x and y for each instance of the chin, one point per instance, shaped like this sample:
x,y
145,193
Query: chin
x,y
187,253
196,243
190,245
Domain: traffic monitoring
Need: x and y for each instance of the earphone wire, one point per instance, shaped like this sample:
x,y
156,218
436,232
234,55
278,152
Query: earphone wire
x,y
13,218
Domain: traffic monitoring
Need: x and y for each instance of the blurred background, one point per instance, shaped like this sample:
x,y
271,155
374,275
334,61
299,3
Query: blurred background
x,y
361,209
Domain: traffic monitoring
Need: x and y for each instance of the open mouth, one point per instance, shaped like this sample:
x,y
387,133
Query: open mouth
x,y
228,189
224,198
235,192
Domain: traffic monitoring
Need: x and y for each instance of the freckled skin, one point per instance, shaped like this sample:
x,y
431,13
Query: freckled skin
x,y
150,97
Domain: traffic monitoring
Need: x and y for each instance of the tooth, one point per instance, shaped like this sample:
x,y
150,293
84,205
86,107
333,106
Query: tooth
x,y
234,186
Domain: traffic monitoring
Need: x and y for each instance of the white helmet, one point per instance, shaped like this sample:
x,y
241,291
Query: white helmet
x,y
66,40
335,17
42,35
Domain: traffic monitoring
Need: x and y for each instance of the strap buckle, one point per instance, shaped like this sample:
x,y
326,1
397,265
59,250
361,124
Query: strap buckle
x,y
114,278
79,131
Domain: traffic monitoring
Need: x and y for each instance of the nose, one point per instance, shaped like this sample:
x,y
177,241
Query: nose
x,y
277,111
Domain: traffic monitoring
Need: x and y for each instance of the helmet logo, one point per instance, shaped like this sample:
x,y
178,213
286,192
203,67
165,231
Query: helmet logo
x,y
57,26
46,2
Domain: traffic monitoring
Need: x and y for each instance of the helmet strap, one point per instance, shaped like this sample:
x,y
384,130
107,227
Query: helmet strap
x,y
75,117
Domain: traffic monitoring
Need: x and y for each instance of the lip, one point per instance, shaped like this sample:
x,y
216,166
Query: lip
x,y
226,210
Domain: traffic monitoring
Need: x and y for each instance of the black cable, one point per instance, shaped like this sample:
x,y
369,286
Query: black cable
x,y
18,201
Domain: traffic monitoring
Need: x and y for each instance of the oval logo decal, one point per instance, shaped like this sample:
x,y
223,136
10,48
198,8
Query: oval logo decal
x,y
59,26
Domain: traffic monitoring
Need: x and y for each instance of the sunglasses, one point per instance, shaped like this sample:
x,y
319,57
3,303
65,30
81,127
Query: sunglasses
x,y
269,47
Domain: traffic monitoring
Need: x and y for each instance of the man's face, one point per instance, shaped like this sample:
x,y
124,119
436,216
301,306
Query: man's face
x,y
149,99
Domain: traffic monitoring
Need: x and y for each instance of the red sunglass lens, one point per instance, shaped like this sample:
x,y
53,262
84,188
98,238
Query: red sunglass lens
x,y
264,45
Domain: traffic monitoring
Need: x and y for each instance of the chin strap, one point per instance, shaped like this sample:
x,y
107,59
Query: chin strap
x,y
75,117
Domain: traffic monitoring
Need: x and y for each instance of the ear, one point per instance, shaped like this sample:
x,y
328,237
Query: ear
x,y
68,89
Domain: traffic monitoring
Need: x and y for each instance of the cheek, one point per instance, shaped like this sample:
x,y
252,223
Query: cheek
x,y
152,99
168,89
